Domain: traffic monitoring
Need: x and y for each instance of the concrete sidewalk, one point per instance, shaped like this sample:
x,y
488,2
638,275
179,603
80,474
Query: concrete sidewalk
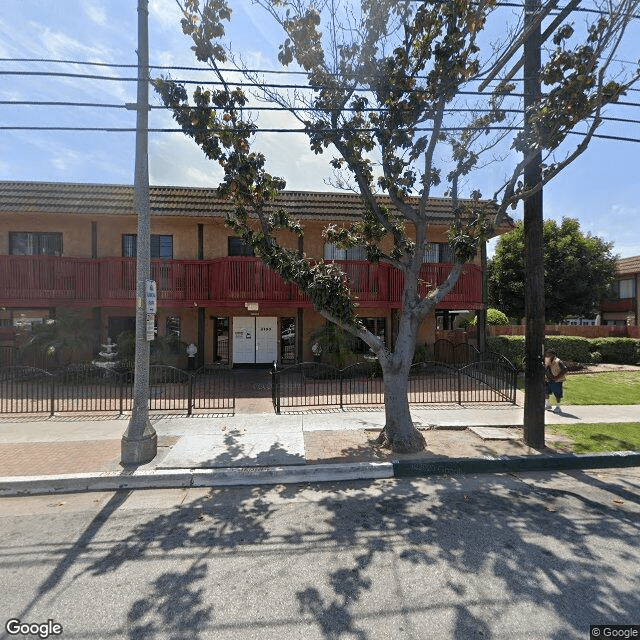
x,y
80,452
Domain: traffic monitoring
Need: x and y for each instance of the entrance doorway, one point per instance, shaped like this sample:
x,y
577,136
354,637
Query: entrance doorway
x,y
255,340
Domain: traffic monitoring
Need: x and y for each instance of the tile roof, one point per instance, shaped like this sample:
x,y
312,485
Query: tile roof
x,y
628,265
102,199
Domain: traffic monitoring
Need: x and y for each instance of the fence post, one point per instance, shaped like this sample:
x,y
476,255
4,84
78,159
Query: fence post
x,y
52,407
190,400
341,399
233,390
459,372
121,385
275,388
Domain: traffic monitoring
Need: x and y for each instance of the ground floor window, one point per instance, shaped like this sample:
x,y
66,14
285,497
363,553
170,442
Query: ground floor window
x,y
173,326
121,324
288,340
377,326
221,340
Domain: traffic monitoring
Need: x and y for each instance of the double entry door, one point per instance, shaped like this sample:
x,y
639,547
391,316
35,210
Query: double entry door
x,y
255,340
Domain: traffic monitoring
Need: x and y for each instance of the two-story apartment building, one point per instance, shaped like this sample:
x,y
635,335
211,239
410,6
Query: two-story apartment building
x,y
73,246
622,308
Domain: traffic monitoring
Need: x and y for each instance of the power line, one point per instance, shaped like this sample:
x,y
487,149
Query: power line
x,y
294,131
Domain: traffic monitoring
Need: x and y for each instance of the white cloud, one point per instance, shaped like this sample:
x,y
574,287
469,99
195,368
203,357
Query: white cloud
x,y
177,161
64,159
165,13
95,13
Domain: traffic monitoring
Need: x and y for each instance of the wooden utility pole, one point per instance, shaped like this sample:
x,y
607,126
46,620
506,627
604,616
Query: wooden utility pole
x,y
534,425
140,442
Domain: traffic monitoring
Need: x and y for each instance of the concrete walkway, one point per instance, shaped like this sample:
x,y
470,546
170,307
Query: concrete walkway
x,y
70,453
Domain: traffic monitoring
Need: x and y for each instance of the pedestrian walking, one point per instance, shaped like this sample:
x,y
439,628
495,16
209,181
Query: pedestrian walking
x,y
555,374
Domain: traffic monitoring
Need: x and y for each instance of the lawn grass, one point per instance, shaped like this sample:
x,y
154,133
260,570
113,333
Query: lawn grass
x,y
600,438
612,387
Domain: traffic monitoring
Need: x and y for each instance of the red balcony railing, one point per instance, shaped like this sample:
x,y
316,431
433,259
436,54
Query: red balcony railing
x,y
613,305
49,281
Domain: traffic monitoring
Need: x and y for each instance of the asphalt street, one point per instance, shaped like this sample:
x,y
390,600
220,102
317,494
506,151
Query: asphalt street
x,y
530,556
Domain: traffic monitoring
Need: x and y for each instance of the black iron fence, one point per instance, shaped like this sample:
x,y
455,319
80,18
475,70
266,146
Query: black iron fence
x,y
88,388
311,384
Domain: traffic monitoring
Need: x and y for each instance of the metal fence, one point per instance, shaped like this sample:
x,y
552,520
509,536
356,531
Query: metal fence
x,y
448,352
87,389
311,384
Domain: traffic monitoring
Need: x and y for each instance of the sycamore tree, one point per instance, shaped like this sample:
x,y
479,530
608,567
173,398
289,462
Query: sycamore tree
x,y
391,96
578,269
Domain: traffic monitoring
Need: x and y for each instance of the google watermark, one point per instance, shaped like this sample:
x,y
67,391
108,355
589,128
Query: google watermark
x,y
15,627
598,631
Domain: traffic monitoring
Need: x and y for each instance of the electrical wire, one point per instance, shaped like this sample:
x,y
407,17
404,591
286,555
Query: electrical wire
x,y
285,130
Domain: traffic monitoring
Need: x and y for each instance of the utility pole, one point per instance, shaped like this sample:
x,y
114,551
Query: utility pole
x,y
534,424
140,442
532,39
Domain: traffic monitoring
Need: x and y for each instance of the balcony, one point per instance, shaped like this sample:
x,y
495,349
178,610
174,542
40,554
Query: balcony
x,y
227,282
617,305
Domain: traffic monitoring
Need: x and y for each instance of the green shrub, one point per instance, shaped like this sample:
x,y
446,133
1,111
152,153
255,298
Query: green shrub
x,y
572,348
568,348
422,354
511,347
596,357
494,317
619,350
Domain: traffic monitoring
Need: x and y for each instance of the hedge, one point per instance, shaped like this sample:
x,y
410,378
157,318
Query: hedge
x,y
511,347
620,350
571,349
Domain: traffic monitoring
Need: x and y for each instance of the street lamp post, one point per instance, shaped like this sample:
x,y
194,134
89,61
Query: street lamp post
x,y
139,441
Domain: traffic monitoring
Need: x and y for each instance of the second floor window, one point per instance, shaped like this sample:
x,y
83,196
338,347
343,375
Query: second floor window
x,y
439,252
28,243
626,288
161,246
331,252
237,247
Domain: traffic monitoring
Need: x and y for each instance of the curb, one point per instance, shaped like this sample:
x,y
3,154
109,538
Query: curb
x,y
186,478
337,472
516,464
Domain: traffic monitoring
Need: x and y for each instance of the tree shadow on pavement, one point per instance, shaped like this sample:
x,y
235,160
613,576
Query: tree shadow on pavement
x,y
459,557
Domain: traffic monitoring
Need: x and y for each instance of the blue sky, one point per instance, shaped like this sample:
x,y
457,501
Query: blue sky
x,y
601,189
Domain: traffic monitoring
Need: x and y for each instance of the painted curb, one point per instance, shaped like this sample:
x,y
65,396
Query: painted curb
x,y
185,478
505,464
12,486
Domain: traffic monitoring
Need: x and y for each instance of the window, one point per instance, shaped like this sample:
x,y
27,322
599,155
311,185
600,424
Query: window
x,y
331,252
161,246
438,252
626,288
173,326
27,243
377,326
288,340
237,247
221,340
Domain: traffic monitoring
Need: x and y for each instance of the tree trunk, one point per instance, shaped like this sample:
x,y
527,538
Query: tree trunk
x,y
399,433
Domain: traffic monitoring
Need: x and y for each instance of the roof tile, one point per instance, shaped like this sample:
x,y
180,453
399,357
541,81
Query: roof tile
x,y
104,199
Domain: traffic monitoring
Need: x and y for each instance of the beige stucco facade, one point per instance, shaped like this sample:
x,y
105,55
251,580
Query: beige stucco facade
x,y
88,232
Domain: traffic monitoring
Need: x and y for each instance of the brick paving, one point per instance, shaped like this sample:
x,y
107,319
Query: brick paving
x,y
55,458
